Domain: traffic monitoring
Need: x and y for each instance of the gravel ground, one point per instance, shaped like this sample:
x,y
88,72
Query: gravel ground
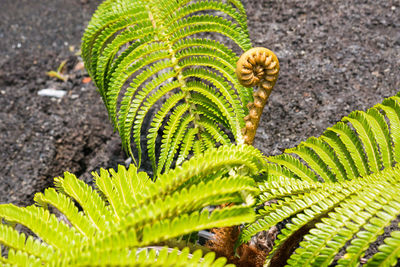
x,y
335,57
40,136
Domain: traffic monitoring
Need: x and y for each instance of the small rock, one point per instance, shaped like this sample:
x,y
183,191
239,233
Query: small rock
x,y
206,234
79,66
128,162
52,93
375,73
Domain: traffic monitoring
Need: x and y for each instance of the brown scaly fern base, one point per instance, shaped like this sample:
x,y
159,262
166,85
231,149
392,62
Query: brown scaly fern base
x,y
253,254
256,67
223,245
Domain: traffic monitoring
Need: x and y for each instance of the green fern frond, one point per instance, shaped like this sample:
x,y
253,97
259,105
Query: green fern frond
x,y
313,161
169,131
187,145
294,165
372,208
65,205
188,200
44,224
353,145
359,121
129,213
391,108
177,139
206,107
327,215
345,152
20,258
306,202
157,122
327,155
127,108
93,205
381,132
285,187
140,53
339,148
245,158
338,191
11,239
121,189
218,135
152,256
388,254
174,226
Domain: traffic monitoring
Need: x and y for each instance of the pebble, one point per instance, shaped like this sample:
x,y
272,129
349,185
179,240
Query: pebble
x,y
128,162
52,93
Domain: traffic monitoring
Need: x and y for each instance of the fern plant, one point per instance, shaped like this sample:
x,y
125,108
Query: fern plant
x,y
334,195
144,54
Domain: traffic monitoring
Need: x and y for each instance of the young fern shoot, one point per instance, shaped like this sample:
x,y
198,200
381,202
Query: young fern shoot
x,y
257,67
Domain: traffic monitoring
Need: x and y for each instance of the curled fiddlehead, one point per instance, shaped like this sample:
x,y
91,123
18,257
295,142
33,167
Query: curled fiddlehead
x,y
257,67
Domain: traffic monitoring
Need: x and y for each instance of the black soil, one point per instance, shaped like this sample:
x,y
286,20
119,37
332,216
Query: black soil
x,y
40,136
335,57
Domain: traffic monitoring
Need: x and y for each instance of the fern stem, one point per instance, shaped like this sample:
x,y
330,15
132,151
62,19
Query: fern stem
x,y
255,111
257,67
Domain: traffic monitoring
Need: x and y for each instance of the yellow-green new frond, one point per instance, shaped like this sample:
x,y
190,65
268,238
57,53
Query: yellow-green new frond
x,y
151,256
245,159
129,183
44,224
163,229
142,54
121,189
129,213
93,205
388,254
196,221
66,206
19,258
11,239
196,197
